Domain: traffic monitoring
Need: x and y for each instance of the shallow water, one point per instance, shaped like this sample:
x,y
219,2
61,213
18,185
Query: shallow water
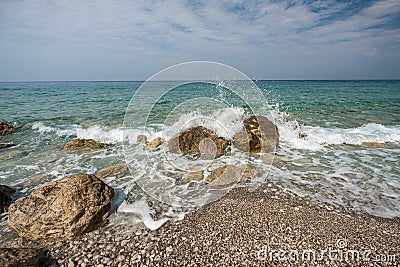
x,y
330,164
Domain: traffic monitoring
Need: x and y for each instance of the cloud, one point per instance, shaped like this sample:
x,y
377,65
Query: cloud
x,y
254,34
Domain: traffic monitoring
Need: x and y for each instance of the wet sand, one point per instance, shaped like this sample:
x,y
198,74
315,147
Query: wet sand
x,y
267,227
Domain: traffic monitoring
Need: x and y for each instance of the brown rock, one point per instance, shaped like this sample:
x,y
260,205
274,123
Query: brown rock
x,y
198,140
302,135
6,145
373,144
141,138
193,176
5,128
5,197
259,135
154,144
118,171
63,208
229,174
23,257
84,143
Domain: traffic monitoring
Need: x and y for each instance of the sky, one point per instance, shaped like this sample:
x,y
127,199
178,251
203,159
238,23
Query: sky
x,y
131,40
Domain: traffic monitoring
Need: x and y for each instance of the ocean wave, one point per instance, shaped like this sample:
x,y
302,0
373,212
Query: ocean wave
x,y
318,138
100,133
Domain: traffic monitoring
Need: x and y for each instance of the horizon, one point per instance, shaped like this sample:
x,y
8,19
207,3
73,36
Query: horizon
x,y
258,80
126,41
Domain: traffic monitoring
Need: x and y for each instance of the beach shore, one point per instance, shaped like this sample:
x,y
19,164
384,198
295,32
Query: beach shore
x,y
267,227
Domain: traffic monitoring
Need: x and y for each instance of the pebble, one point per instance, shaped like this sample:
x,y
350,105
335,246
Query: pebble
x,y
120,258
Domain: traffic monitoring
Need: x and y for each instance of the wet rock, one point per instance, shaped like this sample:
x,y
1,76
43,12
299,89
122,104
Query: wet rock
x,y
259,135
154,144
198,140
6,145
141,138
23,257
6,128
34,180
84,143
302,135
5,197
63,208
373,144
230,174
276,160
118,171
193,176
10,154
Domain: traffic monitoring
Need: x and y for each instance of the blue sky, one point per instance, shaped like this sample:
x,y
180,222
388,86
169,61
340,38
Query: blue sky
x,y
131,40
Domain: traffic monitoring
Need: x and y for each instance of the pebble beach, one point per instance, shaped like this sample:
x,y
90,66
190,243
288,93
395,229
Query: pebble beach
x,y
267,227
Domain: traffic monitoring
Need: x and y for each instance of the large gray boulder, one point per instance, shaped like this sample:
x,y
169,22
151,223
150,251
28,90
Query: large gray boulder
x,y
259,135
198,140
63,208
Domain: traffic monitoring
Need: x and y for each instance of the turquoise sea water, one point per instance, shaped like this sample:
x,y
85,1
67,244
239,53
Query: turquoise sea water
x,y
331,164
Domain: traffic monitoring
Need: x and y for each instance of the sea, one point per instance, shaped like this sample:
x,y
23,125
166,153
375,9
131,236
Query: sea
x,y
322,154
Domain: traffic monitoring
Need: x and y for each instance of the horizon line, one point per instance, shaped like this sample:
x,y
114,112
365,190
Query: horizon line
x,y
255,80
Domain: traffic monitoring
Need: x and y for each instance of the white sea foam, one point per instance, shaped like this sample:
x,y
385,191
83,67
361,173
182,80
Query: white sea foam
x,y
224,122
318,138
142,210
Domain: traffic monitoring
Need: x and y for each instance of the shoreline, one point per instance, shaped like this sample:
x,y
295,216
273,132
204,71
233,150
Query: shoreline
x,y
267,227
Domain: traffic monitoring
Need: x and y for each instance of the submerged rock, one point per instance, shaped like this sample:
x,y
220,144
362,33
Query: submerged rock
x,y
154,144
230,174
63,208
6,128
118,171
91,123
198,140
35,179
23,257
192,176
6,145
141,138
84,143
259,135
5,197
373,144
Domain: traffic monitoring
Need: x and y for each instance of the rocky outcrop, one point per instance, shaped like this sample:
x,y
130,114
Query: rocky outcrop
x,y
24,257
84,143
259,135
63,208
141,138
6,145
117,171
6,128
230,174
373,144
198,140
154,144
5,197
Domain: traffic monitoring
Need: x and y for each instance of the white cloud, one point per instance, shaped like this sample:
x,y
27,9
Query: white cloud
x,y
173,31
